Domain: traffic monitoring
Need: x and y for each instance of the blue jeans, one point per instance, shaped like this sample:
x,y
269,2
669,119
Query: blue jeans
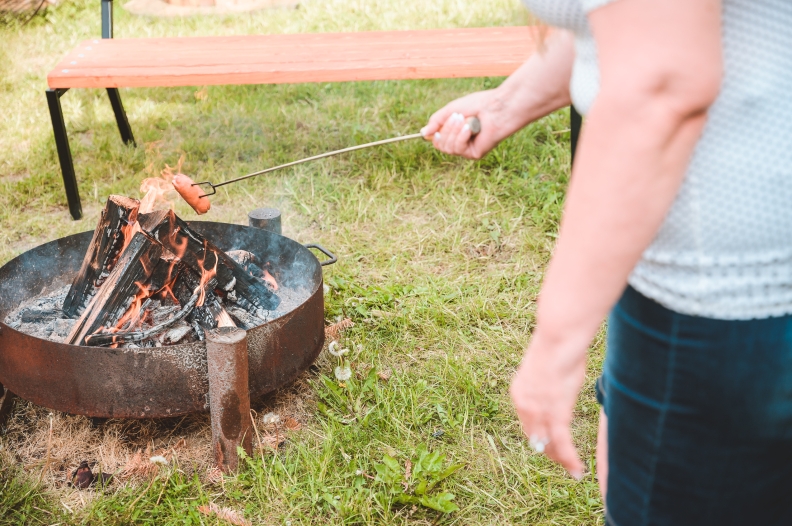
x,y
699,418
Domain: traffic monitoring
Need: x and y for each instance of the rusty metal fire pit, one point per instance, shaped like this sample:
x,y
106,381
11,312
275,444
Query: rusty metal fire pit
x,y
161,381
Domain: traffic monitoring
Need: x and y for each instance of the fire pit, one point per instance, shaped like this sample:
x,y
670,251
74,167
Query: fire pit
x,y
164,380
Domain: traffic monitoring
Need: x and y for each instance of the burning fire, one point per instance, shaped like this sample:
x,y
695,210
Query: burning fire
x,y
206,275
132,318
159,195
156,190
166,292
159,191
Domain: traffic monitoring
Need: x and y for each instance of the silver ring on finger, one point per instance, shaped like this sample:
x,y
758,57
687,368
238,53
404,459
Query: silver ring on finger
x,y
538,444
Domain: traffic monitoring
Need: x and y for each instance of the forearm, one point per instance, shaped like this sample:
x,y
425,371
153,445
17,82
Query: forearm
x,y
629,168
538,87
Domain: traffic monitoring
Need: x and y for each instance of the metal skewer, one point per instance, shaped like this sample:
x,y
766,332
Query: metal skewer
x,y
473,122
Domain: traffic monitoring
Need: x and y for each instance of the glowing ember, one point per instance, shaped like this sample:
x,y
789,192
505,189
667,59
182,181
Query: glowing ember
x,y
270,280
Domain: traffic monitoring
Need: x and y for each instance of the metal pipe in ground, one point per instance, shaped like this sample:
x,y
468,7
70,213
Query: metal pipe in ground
x,y
229,398
266,219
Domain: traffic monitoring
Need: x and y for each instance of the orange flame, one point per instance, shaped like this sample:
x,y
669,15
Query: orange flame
x,y
166,291
156,195
159,194
206,275
270,280
135,316
132,317
159,191
179,244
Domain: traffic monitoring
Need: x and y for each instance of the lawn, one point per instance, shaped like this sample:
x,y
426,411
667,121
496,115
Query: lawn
x,y
440,263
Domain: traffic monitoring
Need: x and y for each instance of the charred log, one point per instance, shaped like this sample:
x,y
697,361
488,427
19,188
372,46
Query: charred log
x,y
163,279
210,313
244,319
247,260
117,293
109,237
200,256
108,338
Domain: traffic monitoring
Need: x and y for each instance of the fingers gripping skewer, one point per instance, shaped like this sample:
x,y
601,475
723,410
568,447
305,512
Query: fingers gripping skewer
x,y
198,199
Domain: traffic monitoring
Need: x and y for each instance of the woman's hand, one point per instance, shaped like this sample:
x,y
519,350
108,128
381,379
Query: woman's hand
x,y
544,392
450,133
540,86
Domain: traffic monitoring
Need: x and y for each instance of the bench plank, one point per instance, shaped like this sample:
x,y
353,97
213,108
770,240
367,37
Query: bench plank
x,y
295,58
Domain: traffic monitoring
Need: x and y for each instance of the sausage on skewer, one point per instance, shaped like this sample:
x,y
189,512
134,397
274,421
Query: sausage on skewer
x,y
194,195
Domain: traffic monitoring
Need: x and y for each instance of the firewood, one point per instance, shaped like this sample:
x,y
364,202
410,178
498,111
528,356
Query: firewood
x,y
118,291
244,319
107,338
201,255
109,237
211,313
163,279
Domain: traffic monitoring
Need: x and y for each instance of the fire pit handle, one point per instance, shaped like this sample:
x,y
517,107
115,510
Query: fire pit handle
x,y
324,251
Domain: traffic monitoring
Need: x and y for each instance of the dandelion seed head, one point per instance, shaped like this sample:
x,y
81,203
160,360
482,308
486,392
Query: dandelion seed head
x,y
270,418
343,374
159,460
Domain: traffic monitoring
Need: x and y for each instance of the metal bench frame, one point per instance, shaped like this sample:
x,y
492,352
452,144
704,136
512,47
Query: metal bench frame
x,y
62,139
59,124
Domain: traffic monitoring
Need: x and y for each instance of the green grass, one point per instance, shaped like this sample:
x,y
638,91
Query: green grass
x,y
440,262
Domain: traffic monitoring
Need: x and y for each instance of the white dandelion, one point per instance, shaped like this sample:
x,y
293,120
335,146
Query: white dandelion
x,y
159,460
343,373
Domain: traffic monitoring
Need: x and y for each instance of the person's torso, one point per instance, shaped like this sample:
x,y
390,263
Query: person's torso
x,y
725,248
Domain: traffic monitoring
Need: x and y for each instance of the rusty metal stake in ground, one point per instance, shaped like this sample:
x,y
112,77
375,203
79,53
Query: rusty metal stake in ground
x,y
229,399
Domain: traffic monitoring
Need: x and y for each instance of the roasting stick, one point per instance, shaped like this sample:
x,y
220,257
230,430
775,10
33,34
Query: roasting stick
x,y
199,200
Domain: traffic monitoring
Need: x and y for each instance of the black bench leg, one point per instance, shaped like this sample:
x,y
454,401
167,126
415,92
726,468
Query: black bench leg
x,y
64,152
575,122
120,115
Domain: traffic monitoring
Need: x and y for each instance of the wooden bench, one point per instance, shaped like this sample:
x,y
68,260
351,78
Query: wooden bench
x,y
271,59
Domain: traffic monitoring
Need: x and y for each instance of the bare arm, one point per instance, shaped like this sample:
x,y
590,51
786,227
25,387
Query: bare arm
x,y
660,66
539,87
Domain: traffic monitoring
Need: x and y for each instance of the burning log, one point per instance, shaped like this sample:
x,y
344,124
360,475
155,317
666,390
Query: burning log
x,y
210,312
108,240
120,288
202,256
163,279
107,338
